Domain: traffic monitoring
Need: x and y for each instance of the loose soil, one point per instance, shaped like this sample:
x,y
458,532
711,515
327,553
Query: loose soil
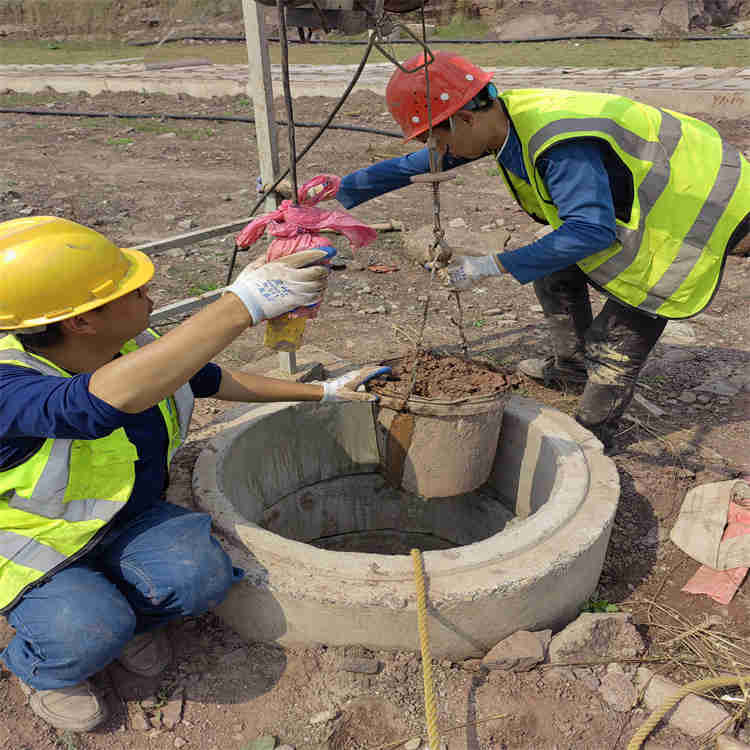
x,y
444,377
141,180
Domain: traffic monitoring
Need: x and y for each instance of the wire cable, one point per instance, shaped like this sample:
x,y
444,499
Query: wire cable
x,y
528,40
207,118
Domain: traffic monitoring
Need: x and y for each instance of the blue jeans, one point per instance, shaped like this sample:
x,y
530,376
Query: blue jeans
x,y
160,565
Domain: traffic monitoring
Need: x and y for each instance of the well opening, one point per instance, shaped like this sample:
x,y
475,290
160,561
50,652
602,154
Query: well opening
x,y
297,491
364,513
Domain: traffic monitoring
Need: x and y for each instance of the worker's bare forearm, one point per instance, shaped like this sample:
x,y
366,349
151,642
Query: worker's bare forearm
x,y
242,386
141,379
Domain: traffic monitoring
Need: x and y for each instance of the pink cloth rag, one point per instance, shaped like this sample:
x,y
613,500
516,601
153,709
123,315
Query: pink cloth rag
x,y
721,585
296,228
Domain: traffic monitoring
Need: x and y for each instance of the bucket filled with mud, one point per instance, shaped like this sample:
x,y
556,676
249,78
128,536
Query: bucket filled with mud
x,y
438,422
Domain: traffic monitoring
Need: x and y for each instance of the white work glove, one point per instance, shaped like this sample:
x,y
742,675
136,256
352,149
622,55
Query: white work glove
x,y
351,386
466,270
283,285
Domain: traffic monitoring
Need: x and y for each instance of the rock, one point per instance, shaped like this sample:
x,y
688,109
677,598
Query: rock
x,y
719,387
597,636
587,677
693,715
536,308
264,742
179,742
516,653
323,717
704,398
336,303
687,397
417,243
172,712
139,721
360,666
167,135
286,747
186,224
414,744
494,311
724,742
471,665
618,691
457,223
678,333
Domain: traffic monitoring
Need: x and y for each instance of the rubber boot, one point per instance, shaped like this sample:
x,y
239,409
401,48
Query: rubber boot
x,y
617,346
564,298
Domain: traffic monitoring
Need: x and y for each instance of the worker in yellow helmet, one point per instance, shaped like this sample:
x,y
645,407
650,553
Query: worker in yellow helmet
x,y
644,203
93,406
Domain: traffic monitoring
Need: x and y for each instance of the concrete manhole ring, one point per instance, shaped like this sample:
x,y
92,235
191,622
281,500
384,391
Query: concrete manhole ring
x,y
522,552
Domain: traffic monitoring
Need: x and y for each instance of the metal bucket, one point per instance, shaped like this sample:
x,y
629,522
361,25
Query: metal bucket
x,y
438,448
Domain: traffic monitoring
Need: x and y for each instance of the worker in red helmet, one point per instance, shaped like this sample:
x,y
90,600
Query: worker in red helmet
x,y
644,204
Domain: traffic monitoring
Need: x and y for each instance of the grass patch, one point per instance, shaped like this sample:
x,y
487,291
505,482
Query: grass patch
x,y
202,288
630,54
120,141
462,28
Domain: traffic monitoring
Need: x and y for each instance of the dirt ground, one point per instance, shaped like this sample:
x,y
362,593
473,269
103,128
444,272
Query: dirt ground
x,y
137,180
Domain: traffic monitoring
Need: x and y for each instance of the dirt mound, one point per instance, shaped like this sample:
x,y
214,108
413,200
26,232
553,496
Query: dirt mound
x,y
442,377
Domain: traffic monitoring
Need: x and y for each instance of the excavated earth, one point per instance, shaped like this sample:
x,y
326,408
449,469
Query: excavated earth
x,y
445,377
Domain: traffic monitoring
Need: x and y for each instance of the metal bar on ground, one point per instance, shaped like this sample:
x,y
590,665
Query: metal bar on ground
x,y
188,238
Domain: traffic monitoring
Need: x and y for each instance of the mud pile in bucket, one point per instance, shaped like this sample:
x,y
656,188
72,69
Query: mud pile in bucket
x,y
438,422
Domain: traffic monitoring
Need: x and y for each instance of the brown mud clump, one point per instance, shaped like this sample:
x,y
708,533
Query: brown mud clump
x,y
442,377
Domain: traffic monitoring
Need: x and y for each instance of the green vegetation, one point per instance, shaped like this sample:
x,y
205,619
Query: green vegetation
x,y
120,141
599,605
202,288
629,54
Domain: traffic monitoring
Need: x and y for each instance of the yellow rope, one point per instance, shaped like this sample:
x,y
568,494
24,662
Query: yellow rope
x,y
698,686
430,708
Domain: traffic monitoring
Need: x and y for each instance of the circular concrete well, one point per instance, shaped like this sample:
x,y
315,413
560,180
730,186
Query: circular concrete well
x,y
295,490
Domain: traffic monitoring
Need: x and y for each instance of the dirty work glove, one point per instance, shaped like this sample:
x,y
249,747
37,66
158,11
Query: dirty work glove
x,y
281,286
466,270
351,386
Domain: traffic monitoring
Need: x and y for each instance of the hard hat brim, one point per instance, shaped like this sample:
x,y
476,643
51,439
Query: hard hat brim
x,y
140,272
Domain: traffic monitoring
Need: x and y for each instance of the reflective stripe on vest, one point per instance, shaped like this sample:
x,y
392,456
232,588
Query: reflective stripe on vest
x,y
669,255
54,483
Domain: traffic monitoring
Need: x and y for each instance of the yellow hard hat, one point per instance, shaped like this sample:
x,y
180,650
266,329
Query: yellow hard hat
x,y
53,268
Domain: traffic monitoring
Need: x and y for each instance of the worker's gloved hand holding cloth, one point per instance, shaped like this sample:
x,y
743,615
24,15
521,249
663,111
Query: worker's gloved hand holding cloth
x,y
350,387
288,283
466,270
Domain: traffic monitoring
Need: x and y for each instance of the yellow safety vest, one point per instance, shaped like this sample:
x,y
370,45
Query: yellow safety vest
x,y
57,503
690,191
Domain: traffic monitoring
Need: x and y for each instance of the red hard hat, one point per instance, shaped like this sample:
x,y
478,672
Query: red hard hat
x,y
454,81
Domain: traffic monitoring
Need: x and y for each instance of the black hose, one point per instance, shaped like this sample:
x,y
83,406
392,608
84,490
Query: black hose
x,y
211,118
529,40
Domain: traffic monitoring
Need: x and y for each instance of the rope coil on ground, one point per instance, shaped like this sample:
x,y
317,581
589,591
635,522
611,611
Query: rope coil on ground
x,y
698,686
430,708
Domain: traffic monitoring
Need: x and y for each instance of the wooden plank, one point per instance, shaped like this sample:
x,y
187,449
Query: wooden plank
x,y
260,90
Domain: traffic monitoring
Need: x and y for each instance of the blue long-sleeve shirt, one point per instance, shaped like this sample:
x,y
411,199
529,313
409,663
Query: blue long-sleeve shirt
x,y
34,407
576,179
